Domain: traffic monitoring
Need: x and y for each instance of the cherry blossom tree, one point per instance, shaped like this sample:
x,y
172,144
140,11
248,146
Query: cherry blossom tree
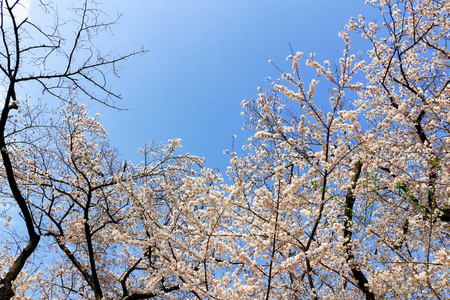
x,y
53,57
96,227
350,200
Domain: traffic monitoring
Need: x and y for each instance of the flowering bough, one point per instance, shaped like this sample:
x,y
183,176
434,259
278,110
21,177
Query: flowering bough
x,y
116,230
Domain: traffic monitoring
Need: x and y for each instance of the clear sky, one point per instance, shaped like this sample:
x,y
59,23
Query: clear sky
x,y
205,57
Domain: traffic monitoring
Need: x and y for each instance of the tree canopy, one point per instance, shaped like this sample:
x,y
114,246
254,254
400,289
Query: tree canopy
x,y
347,200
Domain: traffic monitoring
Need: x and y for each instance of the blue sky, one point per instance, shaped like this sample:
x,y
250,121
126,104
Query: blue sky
x,y
205,57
